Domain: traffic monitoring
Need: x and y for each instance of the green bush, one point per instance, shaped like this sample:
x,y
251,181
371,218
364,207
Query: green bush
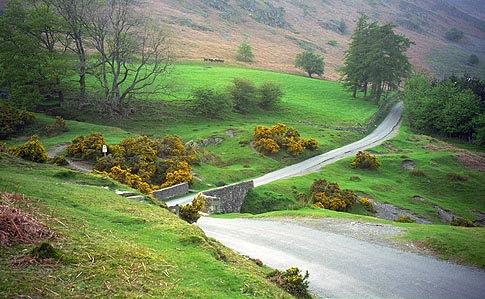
x,y
13,121
460,221
58,127
454,35
191,212
367,204
404,219
32,150
269,94
365,160
211,103
59,161
243,94
292,281
245,52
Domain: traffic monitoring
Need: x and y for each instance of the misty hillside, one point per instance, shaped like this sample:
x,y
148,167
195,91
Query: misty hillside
x,y
278,30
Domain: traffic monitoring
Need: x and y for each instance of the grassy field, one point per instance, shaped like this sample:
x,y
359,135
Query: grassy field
x,y
113,247
314,107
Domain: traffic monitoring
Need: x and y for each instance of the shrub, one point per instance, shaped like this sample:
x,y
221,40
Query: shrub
x,y
292,281
329,196
269,95
125,176
367,204
58,127
191,212
32,150
455,177
12,121
332,42
87,147
271,140
460,221
404,219
243,94
365,160
211,103
355,178
60,161
454,35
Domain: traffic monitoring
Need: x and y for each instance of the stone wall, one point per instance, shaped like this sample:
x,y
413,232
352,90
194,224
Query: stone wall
x,y
227,199
173,191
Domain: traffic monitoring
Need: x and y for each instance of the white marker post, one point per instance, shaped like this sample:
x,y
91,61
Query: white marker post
x,y
105,149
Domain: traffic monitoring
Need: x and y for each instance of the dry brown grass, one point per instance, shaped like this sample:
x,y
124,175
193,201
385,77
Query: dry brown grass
x,y
275,51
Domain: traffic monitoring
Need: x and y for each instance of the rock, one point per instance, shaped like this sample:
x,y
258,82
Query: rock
x,y
408,164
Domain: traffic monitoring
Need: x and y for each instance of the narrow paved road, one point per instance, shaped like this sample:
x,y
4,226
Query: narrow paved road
x,y
386,130
344,267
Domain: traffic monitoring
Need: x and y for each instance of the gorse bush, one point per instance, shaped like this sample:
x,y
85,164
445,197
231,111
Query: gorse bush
x,y
271,140
87,147
404,219
367,204
32,150
365,160
191,212
155,162
329,196
12,121
292,281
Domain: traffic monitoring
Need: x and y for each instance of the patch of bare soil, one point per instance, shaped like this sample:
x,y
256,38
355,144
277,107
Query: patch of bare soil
x,y
391,212
408,164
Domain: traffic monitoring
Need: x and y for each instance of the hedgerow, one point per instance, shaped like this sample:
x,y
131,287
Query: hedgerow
x,y
271,140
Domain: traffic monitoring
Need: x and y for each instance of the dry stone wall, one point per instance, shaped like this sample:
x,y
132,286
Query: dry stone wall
x,y
170,192
227,199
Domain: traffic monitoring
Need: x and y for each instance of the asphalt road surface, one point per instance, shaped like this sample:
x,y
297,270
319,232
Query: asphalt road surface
x,y
386,130
345,267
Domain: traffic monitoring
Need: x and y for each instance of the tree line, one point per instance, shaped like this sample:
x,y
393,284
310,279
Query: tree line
x,y
454,107
45,44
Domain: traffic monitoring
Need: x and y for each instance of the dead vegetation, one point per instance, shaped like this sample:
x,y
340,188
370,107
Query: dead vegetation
x,y
18,226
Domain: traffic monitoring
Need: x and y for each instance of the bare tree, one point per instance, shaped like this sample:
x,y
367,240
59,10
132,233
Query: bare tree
x,y
75,14
132,54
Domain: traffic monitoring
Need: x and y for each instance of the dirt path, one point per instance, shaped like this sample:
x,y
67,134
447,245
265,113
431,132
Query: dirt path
x,y
73,164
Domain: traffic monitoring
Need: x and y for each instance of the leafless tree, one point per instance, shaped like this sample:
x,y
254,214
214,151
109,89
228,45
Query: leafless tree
x,y
132,54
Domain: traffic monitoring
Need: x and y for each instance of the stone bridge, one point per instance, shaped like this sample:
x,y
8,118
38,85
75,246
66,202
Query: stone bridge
x,y
227,199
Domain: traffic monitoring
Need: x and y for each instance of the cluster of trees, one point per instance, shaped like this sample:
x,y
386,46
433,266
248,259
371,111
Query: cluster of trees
x,y
43,44
454,107
243,96
271,140
376,57
142,162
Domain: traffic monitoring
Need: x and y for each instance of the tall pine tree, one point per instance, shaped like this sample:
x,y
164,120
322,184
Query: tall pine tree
x,y
376,57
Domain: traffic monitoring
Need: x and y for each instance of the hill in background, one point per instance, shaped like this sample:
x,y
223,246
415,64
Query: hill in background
x,y
278,30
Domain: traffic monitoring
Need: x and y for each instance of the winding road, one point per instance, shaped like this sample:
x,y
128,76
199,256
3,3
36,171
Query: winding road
x,y
386,130
342,265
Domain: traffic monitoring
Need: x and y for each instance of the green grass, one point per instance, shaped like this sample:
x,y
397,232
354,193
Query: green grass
x,y
117,248
314,107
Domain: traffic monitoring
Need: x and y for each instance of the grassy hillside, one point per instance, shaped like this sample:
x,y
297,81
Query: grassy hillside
x,y
113,247
278,30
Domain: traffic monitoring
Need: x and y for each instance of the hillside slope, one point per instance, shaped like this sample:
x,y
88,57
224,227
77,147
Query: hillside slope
x,y
278,30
